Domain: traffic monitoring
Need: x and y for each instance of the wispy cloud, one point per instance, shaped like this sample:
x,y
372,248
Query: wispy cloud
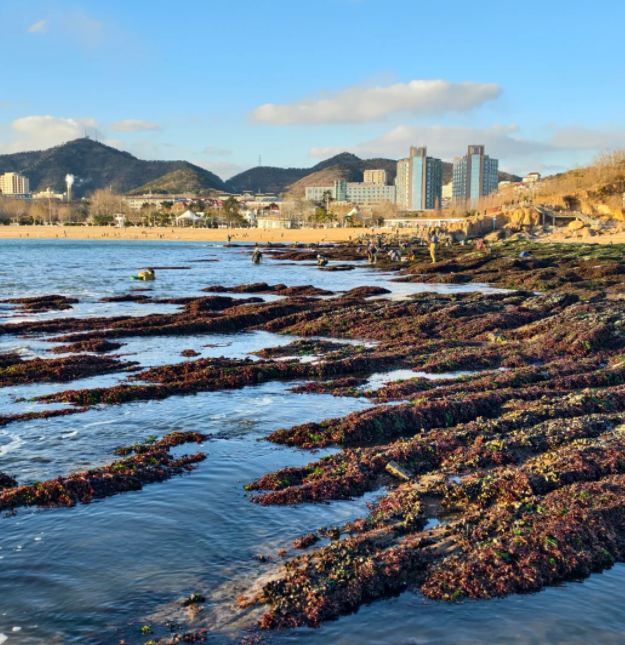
x,y
38,27
134,125
222,169
365,104
87,30
214,151
76,26
585,138
442,141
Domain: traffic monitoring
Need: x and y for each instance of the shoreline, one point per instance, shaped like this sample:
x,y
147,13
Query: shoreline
x,y
251,235
238,235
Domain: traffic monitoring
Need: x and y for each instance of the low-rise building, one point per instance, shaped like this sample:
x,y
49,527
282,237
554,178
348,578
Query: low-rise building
x,y
276,221
359,193
48,193
374,176
531,178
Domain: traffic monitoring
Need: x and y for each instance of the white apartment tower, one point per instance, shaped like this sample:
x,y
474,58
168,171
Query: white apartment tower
x,y
12,183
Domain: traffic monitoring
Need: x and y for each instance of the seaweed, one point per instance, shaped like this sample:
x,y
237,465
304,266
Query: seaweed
x,y
145,464
69,368
40,304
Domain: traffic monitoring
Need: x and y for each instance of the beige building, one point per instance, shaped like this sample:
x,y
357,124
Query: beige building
x,y
375,176
12,183
48,193
359,193
402,184
531,178
276,221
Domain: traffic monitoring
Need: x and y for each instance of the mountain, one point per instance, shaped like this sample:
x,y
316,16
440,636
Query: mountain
x,y
96,165
267,179
185,180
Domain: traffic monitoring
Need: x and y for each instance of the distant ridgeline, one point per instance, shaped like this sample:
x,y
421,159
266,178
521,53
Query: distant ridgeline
x,y
96,165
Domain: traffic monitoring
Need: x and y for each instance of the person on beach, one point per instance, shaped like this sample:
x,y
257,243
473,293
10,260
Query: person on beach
x,y
433,247
480,245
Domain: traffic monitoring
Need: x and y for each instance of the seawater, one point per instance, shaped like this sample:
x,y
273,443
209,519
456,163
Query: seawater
x,y
94,573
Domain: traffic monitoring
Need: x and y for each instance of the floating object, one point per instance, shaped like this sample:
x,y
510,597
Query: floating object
x,y
146,274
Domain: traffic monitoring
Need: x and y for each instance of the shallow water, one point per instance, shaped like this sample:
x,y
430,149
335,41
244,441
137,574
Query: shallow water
x,y
95,573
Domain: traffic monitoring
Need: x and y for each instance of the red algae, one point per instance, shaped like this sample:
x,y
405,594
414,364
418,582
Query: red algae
x,y
146,464
39,370
523,468
42,414
95,346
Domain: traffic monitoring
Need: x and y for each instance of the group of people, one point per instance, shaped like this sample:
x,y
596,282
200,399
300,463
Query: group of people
x,y
396,248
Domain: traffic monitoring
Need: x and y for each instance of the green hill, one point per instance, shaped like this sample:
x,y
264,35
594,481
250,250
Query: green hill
x,y
96,165
184,180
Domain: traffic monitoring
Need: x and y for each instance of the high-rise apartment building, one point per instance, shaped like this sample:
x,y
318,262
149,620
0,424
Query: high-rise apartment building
x,y
475,175
375,176
14,184
419,181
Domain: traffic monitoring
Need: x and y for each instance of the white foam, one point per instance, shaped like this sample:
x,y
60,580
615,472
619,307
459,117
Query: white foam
x,y
3,638
15,442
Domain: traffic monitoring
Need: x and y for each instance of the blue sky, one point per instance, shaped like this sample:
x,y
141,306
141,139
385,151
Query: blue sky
x,y
220,83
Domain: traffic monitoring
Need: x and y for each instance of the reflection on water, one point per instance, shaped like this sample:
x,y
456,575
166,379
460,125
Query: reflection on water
x,y
93,573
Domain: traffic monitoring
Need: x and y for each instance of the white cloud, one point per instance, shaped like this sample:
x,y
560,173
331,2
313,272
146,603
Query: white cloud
x,y
44,131
584,138
443,141
363,104
134,125
561,147
38,27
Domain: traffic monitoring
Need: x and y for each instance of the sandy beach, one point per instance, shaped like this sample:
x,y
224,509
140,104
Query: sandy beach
x,y
307,235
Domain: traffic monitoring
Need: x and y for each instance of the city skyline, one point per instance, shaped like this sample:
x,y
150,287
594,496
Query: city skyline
x,y
223,87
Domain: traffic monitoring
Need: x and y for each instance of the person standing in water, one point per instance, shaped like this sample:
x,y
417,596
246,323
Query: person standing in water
x,y
257,255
